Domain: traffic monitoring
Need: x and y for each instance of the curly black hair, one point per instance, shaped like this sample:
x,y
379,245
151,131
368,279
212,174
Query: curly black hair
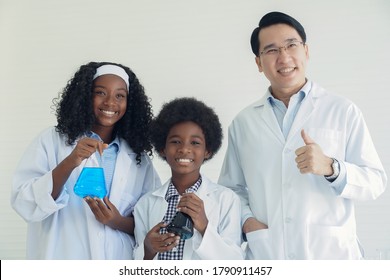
x,y
187,109
74,110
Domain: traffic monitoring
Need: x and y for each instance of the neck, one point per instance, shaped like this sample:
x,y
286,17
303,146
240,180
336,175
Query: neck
x,y
284,94
183,182
105,133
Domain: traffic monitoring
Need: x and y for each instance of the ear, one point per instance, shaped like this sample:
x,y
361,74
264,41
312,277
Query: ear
x,y
162,153
258,63
207,154
307,51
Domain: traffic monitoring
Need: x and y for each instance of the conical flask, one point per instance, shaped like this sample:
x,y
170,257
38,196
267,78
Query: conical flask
x,y
181,225
91,181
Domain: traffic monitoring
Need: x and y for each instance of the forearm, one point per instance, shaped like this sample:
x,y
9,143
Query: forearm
x,y
32,200
251,224
363,183
60,175
125,224
148,254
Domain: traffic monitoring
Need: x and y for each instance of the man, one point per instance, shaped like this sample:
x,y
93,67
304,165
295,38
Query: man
x,y
299,157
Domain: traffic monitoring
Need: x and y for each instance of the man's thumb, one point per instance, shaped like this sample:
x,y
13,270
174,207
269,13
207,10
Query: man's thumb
x,y
306,138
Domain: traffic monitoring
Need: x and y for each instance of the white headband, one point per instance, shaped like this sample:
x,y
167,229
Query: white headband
x,y
112,69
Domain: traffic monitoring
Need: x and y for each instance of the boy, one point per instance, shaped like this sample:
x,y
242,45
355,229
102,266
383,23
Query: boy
x,y
185,134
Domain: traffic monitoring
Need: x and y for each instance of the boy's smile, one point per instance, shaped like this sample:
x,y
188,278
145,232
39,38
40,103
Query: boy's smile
x,y
184,160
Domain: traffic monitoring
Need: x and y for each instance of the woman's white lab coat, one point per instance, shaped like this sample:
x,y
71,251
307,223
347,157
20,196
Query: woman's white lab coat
x,y
308,217
222,238
66,228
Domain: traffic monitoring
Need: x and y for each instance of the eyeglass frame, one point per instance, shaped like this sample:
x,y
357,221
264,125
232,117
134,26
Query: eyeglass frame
x,y
279,51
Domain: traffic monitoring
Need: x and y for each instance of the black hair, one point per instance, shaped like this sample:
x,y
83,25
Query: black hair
x,y
187,109
271,19
75,117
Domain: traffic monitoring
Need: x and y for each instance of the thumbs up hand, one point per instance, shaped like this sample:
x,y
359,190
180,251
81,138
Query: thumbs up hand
x,y
311,159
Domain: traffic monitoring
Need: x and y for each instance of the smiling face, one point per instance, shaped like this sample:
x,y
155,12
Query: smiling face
x,y
285,71
185,150
109,99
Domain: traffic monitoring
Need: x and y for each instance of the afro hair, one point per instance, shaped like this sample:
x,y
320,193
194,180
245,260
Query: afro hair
x,y
182,110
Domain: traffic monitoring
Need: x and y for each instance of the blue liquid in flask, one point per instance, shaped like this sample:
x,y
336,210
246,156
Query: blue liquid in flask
x,y
91,183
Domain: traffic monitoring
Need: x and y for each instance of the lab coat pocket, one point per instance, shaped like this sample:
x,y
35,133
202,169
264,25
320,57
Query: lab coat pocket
x,y
259,245
329,140
332,242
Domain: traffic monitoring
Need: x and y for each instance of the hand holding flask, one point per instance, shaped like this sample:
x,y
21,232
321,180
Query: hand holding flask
x,y
181,225
91,181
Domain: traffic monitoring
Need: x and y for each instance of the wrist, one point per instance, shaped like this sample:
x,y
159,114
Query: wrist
x,y
335,170
148,253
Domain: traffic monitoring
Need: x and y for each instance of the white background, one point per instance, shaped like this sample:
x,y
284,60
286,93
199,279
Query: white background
x,y
186,48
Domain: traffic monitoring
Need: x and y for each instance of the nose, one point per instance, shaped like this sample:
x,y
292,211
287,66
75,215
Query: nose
x,y
283,54
184,148
110,99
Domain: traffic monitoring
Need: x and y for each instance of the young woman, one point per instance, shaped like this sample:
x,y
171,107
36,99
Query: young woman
x,y
102,110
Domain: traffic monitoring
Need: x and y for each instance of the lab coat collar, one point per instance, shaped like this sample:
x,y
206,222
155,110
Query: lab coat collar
x,y
204,188
315,92
307,107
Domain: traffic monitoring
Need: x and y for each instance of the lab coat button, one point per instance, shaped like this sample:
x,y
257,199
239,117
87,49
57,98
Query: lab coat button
x,y
288,220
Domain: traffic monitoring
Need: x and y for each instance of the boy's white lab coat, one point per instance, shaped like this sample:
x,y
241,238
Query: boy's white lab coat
x,y
222,238
66,228
308,217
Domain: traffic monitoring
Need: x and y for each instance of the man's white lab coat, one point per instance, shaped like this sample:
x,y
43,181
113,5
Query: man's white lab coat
x,y
308,217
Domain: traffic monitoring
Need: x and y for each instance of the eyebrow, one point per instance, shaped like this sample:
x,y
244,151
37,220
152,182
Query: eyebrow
x,y
192,136
103,87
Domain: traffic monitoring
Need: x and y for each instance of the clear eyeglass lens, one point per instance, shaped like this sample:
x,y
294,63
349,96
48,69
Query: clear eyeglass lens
x,y
289,48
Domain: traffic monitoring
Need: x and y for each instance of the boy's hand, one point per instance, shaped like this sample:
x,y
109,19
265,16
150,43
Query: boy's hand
x,y
192,205
155,242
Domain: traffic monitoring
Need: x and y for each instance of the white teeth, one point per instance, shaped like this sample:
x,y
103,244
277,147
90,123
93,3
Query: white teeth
x,y
184,160
108,112
286,70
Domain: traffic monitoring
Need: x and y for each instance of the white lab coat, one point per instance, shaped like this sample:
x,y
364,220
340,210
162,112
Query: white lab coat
x,y
308,217
66,228
222,238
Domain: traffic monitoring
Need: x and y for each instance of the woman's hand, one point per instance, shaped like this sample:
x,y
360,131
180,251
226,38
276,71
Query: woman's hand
x,y
106,213
85,147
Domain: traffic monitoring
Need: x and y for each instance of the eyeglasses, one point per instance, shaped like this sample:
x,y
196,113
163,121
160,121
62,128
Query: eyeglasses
x,y
289,48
